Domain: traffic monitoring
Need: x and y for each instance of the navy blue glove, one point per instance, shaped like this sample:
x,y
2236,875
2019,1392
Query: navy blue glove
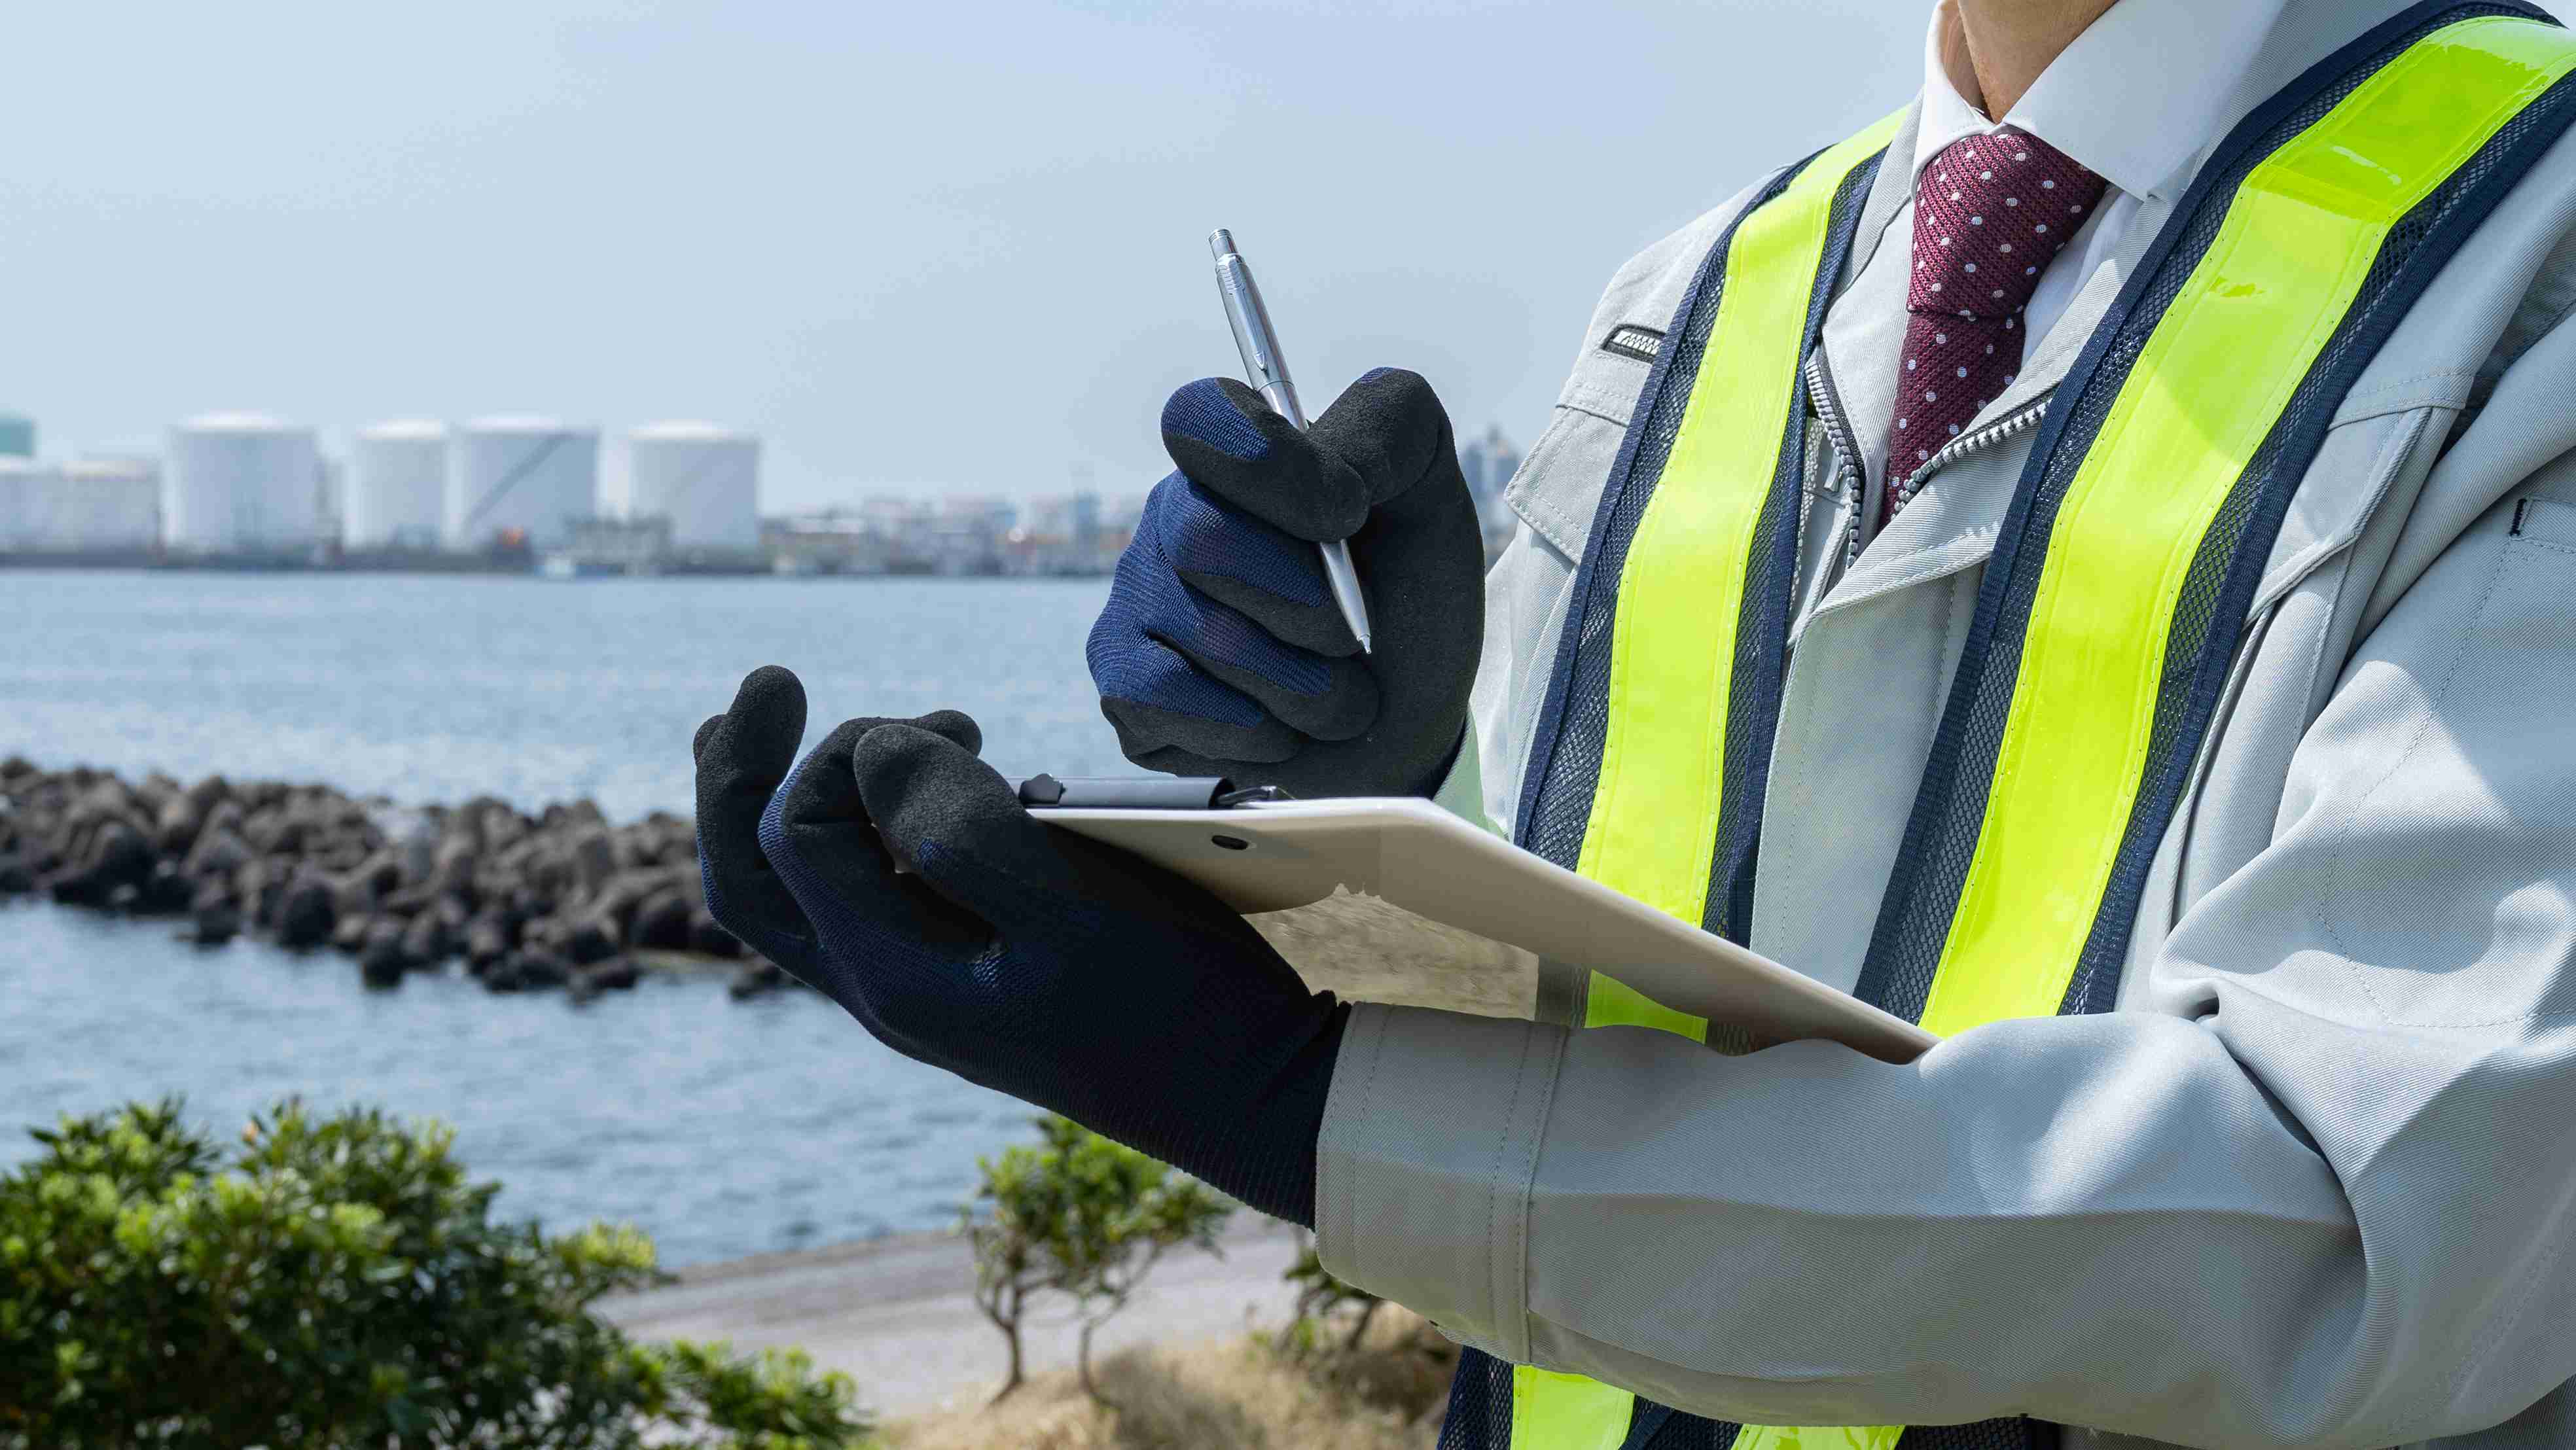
x,y
1023,958
1220,651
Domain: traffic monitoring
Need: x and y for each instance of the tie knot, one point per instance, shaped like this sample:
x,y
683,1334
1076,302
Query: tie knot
x,y
1989,214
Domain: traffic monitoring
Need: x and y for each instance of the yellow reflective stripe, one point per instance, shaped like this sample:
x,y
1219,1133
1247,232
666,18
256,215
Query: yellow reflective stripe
x,y
1818,1437
2215,376
1613,1003
1552,1411
1654,814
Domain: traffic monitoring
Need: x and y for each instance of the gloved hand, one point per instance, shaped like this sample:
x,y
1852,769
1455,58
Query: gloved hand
x,y
1027,959
1220,651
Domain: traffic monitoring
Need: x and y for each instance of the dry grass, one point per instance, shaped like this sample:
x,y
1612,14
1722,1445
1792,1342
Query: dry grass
x,y
1246,1395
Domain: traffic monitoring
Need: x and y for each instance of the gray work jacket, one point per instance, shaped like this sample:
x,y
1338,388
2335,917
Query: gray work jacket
x,y
2314,1183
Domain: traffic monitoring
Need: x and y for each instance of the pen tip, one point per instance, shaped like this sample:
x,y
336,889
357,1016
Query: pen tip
x,y
1221,242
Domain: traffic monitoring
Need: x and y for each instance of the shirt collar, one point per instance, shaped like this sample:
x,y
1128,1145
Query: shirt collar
x,y
2134,99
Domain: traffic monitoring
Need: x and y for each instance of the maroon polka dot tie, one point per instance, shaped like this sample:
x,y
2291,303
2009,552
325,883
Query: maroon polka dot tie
x,y
1990,212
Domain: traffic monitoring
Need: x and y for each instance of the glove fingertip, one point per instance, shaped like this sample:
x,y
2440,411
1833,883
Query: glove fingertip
x,y
769,707
769,686
1390,429
955,725
1402,401
1146,731
819,791
933,800
1403,390
1221,415
900,764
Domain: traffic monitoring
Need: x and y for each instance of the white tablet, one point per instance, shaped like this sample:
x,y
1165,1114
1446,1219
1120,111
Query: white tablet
x,y
1339,871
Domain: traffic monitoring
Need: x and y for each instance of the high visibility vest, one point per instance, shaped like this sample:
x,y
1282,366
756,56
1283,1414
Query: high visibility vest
x,y
2106,620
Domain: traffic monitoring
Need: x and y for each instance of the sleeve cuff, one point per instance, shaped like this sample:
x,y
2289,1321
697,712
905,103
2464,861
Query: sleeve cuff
x,y
1423,1169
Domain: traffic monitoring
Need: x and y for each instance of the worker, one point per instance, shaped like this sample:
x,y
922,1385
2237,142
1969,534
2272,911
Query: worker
x,y
2088,564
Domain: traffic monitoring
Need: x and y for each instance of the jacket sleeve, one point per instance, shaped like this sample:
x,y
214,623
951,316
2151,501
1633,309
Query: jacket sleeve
x,y
2317,1188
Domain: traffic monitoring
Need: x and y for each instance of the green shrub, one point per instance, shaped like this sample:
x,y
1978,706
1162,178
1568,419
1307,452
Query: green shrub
x,y
338,1281
1083,1216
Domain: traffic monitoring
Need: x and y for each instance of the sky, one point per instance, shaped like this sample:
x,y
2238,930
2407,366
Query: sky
x,y
953,246
917,247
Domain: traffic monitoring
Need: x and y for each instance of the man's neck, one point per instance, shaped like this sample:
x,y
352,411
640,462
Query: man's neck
x,y
1994,49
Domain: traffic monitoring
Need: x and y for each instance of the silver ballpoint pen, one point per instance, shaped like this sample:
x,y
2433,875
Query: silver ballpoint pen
x,y
1267,371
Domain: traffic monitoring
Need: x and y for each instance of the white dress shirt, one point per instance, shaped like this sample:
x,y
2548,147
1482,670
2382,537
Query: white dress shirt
x,y
2135,99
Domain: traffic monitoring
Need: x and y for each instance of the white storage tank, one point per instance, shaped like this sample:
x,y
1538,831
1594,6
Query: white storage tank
x,y
704,478
24,487
518,478
88,507
112,504
241,482
396,490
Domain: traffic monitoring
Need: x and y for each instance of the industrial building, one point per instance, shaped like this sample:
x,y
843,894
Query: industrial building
x,y
241,483
111,505
702,478
1069,534
518,481
1488,465
90,508
513,492
395,495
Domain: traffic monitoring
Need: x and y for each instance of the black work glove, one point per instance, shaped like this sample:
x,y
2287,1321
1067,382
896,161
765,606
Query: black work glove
x,y
1024,958
1220,651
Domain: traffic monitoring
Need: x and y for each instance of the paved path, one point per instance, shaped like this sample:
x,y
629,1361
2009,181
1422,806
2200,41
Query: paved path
x,y
898,1315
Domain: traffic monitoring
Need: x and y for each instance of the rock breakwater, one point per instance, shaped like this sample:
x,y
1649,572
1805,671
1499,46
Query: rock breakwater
x,y
559,899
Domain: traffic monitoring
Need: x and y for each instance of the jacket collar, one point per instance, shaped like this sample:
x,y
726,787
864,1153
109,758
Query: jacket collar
x,y
2133,99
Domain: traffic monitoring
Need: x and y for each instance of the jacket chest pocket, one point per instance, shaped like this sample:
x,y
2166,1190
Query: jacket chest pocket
x,y
1559,486
2449,871
2311,607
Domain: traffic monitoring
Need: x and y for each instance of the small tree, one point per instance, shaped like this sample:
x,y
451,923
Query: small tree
x,y
1008,1269
335,1281
1084,1217
1322,1298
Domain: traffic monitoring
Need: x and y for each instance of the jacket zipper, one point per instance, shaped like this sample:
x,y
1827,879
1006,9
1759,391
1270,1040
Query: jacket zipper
x,y
2002,428
1847,475
1976,438
1861,525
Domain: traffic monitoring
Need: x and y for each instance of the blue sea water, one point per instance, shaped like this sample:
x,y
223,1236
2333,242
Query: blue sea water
x,y
722,1127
